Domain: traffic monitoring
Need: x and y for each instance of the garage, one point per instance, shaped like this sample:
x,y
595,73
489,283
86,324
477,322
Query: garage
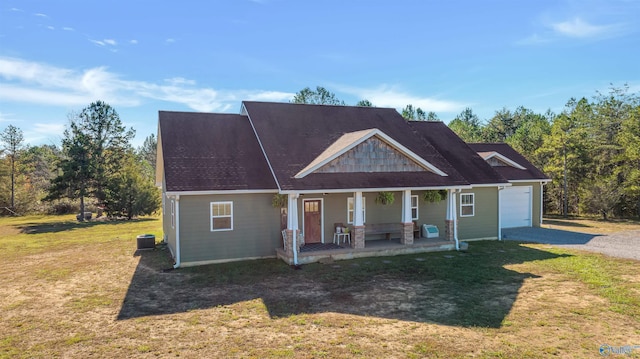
x,y
515,206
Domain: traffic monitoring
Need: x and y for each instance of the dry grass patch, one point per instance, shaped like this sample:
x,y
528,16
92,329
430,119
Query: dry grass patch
x,y
84,292
590,225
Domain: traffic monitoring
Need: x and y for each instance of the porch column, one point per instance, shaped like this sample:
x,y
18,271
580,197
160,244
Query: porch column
x,y
358,221
407,223
449,222
292,247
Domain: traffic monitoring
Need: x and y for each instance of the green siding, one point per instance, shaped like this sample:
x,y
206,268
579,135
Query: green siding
x,y
431,212
484,222
335,211
256,228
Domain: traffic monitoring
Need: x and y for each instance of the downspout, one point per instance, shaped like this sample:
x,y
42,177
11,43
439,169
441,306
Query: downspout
x,y
500,188
542,183
177,214
454,216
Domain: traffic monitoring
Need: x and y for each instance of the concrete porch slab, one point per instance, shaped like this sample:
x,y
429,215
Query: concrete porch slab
x,y
374,248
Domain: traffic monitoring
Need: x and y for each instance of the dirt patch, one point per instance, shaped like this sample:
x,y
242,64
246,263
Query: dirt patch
x,y
109,301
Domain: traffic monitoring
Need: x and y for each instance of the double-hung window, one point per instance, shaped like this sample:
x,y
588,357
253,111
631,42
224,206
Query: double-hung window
x,y
414,207
350,210
221,216
467,204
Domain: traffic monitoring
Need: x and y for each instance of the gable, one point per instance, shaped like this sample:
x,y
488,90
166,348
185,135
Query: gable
x,y
372,155
367,151
495,159
522,171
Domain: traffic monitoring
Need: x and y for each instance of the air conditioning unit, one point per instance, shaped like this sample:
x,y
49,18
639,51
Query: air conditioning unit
x,y
430,231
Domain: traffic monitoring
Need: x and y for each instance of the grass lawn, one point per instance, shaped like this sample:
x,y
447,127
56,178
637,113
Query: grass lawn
x,y
80,290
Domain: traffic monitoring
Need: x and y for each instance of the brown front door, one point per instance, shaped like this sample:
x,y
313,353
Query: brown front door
x,y
312,219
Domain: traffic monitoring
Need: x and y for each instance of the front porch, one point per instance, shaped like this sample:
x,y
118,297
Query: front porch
x,y
317,252
315,220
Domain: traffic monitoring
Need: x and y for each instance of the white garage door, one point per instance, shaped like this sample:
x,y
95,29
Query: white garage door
x,y
515,206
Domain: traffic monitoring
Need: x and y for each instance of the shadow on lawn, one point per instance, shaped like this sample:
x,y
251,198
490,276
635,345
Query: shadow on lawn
x,y
461,289
54,227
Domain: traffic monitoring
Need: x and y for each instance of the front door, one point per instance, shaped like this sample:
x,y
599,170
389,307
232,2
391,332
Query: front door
x,y
312,221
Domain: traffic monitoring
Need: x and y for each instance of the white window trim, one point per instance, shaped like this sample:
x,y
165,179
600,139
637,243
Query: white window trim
x,y
211,216
416,207
173,214
364,209
472,205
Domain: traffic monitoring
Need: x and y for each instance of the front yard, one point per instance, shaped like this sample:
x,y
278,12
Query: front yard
x,y
81,290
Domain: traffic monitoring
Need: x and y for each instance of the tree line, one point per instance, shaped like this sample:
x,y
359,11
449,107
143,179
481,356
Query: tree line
x,y
95,168
590,151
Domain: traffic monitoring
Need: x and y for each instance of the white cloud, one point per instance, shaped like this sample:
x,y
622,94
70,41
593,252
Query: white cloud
x,y
24,81
577,27
51,28
272,96
105,42
16,9
68,29
40,15
392,96
133,42
6,117
180,81
170,41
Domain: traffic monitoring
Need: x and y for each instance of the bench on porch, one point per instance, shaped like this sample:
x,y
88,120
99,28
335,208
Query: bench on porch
x,y
383,228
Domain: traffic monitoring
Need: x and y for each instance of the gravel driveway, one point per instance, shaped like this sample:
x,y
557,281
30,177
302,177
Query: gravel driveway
x,y
621,244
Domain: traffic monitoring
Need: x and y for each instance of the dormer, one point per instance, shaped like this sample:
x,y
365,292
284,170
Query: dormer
x,y
495,159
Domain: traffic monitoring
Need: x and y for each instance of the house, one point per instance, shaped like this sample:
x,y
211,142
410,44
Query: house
x,y
306,182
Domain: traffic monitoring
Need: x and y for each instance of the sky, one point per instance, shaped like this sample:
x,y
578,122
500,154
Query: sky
x,y
141,57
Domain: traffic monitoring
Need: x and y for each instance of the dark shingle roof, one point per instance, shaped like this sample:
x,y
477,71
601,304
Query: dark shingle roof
x,y
511,173
206,151
293,135
468,163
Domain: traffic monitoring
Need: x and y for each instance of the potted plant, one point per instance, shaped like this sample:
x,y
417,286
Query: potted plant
x,y
435,195
385,198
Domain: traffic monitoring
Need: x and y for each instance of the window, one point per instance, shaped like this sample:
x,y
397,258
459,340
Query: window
x,y
414,207
351,206
467,204
173,213
221,216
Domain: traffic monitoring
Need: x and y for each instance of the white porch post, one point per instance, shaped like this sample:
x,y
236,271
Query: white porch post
x,y
358,221
292,225
406,206
451,226
407,220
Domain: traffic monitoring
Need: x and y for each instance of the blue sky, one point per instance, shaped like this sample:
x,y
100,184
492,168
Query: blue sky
x,y
57,57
